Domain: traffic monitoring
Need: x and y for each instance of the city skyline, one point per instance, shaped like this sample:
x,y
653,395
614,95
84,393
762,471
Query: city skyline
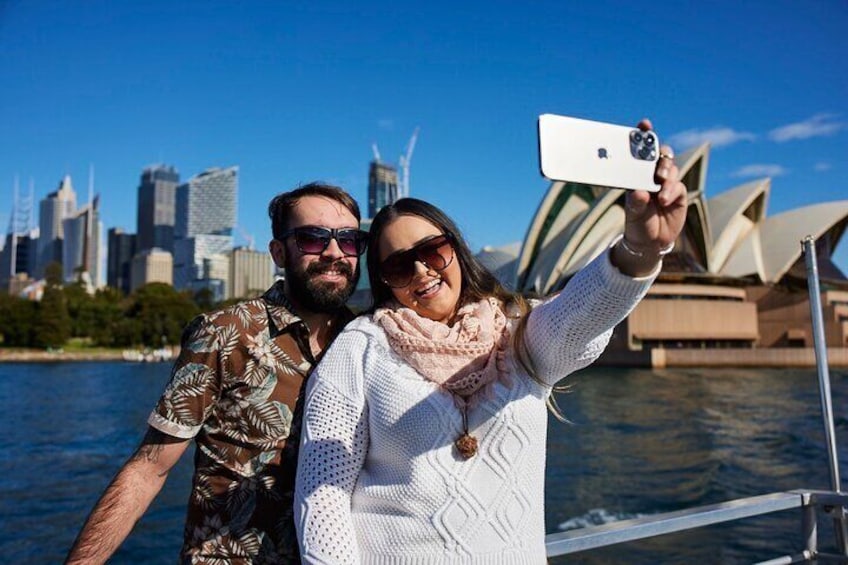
x,y
298,93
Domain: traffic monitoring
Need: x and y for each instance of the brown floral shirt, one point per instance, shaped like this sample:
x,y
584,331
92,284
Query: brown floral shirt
x,y
234,388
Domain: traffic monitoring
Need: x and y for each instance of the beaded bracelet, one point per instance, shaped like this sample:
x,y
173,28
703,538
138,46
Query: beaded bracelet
x,y
641,254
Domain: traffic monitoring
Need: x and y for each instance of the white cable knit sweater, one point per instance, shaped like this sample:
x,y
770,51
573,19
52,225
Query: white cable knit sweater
x,y
379,480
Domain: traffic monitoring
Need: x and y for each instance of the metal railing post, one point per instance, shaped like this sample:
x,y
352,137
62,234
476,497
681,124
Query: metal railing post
x,y
809,527
809,245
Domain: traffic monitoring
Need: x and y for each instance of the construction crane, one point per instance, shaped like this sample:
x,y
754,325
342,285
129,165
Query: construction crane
x,y
403,189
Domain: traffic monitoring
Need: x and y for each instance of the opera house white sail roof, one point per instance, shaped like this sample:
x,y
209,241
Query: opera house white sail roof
x,y
728,236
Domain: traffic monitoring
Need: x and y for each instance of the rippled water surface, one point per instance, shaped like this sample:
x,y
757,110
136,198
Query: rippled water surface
x,y
640,442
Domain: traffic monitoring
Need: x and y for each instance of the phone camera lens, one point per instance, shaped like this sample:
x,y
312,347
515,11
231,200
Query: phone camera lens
x,y
644,153
637,137
649,139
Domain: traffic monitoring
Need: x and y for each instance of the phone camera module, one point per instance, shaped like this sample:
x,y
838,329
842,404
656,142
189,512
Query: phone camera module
x,y
643,145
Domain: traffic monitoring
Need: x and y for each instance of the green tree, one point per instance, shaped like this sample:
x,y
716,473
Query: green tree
x,y
53,274
52,326
16,321
161,313
204,299
79,309
106,312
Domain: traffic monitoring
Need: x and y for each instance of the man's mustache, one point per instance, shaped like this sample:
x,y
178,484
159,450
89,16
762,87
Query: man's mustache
x,y
340,265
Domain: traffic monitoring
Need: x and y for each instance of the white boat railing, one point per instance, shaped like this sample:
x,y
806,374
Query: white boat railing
x,y
811,502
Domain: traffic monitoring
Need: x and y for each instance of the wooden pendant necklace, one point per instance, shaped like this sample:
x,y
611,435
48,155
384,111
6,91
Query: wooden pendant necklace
x,y
466,444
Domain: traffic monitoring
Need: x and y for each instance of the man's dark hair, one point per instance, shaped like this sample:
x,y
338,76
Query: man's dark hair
x,y
279,210
477,281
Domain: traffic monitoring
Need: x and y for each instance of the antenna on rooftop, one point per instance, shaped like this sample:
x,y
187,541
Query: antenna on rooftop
x,y
376,152
31,203
13,231
13,216
404,161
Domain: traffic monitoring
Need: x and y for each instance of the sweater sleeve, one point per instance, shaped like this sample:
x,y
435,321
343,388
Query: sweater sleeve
x,y
333,446
571,330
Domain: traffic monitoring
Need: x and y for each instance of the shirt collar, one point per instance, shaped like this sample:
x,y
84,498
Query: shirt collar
x,y
279,308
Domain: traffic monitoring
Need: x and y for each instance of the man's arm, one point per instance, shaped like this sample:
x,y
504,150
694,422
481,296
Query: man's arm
x,y
127,497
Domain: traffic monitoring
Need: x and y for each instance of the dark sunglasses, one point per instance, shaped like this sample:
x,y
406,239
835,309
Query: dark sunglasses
x,y
436,253
313,240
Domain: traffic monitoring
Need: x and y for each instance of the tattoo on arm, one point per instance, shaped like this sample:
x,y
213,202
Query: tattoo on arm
x,y
151,446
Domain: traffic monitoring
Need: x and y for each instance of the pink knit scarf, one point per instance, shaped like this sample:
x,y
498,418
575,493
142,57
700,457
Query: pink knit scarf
x,y
464,358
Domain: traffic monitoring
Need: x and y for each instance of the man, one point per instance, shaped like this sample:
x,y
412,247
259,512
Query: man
x,y
234,389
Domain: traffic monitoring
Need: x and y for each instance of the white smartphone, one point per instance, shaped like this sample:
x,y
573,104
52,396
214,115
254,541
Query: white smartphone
x,y
597,153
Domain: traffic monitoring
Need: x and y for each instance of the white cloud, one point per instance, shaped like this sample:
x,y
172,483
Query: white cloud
x,y
822,166
386,124
760,170
718,136
817,126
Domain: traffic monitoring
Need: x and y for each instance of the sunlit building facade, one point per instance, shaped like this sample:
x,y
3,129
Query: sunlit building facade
x,y
190,255
206,203
250,273
82,248
52,211
205,219
149,266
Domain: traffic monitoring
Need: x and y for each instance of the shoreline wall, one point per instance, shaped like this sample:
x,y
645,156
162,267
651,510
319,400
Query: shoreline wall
x,y
788,357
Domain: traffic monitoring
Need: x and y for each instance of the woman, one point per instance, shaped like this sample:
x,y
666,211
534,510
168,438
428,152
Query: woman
x,y
425,424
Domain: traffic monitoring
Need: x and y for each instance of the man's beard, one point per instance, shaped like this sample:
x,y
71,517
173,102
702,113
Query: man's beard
x,y
318,296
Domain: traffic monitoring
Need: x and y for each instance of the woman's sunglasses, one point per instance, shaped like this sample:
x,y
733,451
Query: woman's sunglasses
x,y
436,253
313,240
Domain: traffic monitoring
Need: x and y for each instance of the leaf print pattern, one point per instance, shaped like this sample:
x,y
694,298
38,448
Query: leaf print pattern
x,y
262,349
200,336
229,339
235,385
254,373
188,385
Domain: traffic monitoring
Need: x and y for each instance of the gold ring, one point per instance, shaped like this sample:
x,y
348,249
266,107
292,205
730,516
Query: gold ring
x,y
666,156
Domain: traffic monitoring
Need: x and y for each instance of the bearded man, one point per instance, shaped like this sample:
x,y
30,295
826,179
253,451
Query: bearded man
x,y
234,390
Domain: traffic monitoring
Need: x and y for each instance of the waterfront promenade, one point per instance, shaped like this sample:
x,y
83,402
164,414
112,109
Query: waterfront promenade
x,y
22,355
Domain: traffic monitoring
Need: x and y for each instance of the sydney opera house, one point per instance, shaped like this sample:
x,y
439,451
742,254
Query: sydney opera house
x,y
734,290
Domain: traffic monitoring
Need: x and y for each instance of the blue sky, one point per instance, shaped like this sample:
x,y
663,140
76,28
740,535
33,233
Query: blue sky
x,y
297,91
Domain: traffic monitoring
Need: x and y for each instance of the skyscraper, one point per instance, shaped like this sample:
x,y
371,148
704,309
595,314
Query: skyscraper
x,y
122,247
81,249
382,186
206,203
156,207
17,255
52,211
205,219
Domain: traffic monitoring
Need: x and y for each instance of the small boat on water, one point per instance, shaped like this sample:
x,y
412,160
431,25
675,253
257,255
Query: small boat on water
x,y
148,355
814,504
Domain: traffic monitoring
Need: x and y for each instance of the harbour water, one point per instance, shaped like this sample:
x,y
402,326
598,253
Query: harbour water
x,y
640,442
